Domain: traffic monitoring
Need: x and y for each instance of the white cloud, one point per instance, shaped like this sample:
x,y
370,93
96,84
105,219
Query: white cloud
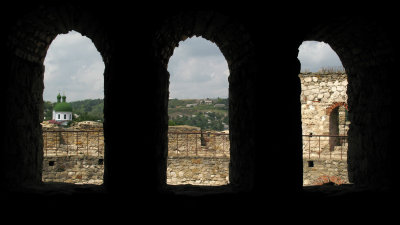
x,y
314,55
74,66
198,70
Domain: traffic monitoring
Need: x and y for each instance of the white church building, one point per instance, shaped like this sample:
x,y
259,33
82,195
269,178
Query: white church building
x,y
62,111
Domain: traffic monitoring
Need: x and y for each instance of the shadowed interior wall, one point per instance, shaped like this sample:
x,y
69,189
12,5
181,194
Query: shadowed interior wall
x,y
264,90
235,44
27,45
365,50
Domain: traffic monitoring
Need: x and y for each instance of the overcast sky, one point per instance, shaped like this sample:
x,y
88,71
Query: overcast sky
x,y
73,66
314,55
197,68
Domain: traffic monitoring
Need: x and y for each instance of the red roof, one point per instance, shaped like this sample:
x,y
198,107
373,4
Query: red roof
x,y
54,122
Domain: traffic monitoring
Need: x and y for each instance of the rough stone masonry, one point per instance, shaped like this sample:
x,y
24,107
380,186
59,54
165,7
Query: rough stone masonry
x,y
203,158
76,154
325,125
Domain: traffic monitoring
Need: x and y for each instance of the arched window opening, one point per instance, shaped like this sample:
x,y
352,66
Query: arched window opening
x,y
73,137
324,114
198,132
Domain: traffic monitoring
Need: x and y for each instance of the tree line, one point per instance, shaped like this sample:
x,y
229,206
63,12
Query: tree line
x,y
83,110
202,114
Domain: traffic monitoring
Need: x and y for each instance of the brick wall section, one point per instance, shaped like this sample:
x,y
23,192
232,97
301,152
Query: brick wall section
x,y
335,105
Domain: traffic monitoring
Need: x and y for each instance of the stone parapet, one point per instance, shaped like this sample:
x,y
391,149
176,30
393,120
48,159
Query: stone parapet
x,y
191,141
75,155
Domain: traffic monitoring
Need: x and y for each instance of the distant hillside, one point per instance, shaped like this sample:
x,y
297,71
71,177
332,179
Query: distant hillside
x,y
209,114
87,110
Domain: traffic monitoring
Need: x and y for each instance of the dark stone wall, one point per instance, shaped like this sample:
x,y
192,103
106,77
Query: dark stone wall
x,y
366,50
22,151
264,89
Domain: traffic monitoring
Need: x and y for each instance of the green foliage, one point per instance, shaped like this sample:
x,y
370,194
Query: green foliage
x,y
202,115
87,110
205,116
48,110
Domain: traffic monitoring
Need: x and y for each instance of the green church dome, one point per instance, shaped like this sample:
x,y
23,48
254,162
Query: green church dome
x,y
62,106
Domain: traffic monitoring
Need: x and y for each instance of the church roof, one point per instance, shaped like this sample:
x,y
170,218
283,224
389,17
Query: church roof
x,y
62,106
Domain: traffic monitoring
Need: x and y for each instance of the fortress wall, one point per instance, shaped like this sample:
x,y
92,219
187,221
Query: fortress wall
x,y
78,169
203,158
82,169
320,171
63,141
198,170
191,141
318,94
78,157
197,159
73,157
324,158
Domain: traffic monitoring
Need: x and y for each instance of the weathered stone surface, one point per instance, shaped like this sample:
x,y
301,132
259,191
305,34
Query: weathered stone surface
x,y
323,111
263,92
75,169
76,157
322,169
198,171
197,157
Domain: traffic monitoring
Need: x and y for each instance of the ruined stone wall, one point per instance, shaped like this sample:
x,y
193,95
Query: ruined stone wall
x,y
191,141
320,171
70,141
77,169
76,154
323,109
319,92
197,157
194,170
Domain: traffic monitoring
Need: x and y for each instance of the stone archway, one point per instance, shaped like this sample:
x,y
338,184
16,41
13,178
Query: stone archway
x,y
337,123
365,52
236,45
26,48
335,105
